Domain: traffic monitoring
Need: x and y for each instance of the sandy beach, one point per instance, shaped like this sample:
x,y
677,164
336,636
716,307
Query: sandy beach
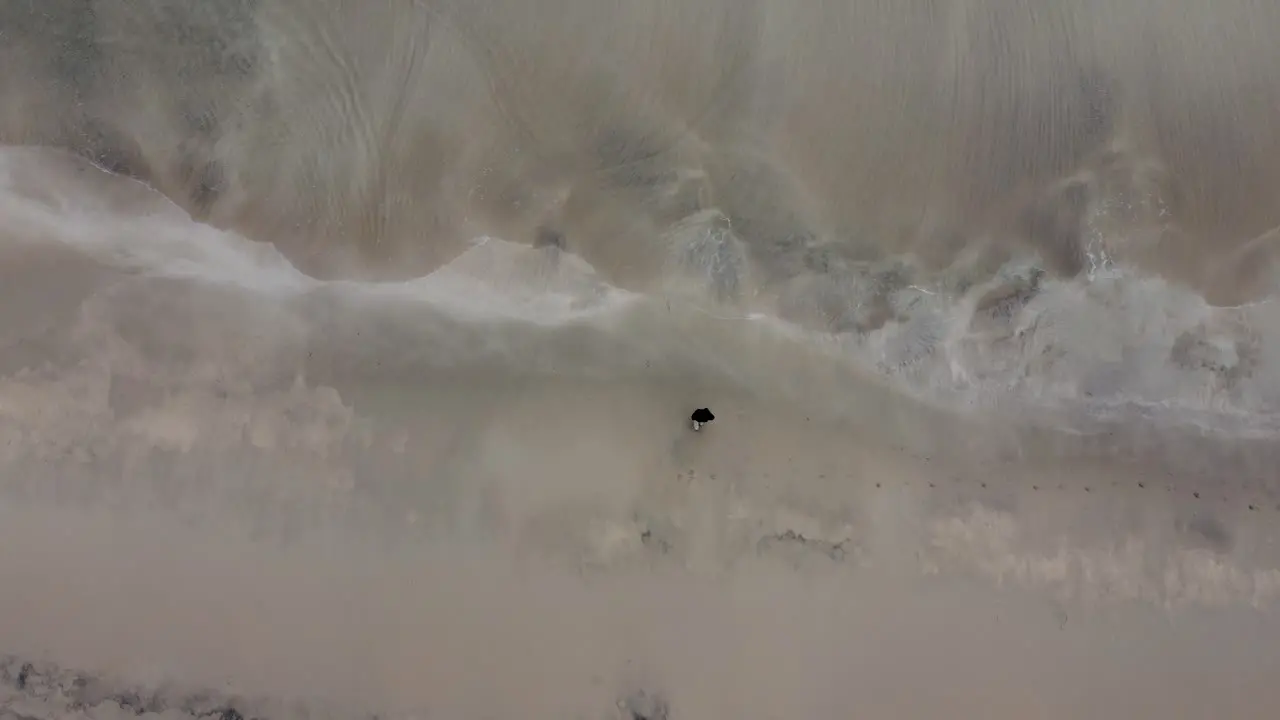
x,y
348,353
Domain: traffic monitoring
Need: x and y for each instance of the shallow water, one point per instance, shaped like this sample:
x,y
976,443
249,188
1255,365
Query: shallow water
x,y
347,353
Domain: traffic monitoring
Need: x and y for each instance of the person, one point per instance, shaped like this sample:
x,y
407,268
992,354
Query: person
x,y
701,417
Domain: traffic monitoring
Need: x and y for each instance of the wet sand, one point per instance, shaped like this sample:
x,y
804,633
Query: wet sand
x,y
228,509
